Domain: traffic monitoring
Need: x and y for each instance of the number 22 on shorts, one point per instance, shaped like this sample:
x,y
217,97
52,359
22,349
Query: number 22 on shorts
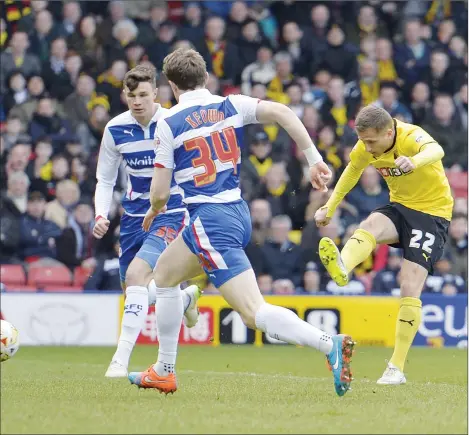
x,y
226,150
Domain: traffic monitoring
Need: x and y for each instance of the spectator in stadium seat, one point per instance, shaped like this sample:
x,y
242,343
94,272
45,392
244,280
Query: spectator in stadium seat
x,y
366,25
298,46
16,57
75,246
265,284
84,41
295,97
80,173
446,30
447,130
90,132
420,104
386,281
105,275
256,166
439,76
10,217
338,107
460,102
13,131
457,245
46,122
458,52
192,26
311,278
36,90
412,57
388,100
249,42
71,15
261,216
67,196
261,71
283,257
221,55
369,194
318,27
384,56
17,91
43,34
75,105
41,166
443,280
55,75
236,19
369,81
161,46
134,52
340,57
116,13
328,146
110,84
17,190
38,235
283,287
277,188
276,89
18,158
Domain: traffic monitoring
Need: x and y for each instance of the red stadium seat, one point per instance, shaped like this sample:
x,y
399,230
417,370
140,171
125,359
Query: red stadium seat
x,y
12,275
62,289
47,276
458,182
81,275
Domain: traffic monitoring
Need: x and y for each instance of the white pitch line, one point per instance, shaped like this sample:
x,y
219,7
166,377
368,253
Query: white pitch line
x,y
280,376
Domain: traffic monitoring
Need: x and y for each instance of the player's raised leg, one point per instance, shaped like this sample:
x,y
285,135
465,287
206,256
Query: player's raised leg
x,y
376,229
243,294
413,278
176,264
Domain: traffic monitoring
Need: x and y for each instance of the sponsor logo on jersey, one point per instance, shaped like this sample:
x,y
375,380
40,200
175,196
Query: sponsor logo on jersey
x,y
140,163
392,172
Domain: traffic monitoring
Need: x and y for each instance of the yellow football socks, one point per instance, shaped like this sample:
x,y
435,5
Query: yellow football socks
x,y
407,324
357,249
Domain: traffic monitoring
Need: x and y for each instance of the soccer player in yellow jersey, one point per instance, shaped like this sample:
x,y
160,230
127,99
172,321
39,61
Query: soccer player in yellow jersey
x,y
416,220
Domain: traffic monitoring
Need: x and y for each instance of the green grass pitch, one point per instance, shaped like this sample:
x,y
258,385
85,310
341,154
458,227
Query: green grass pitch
x,y
232,389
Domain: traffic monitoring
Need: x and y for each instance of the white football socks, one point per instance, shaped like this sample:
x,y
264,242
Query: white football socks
x,y
282,324
133,319
186,299
169,312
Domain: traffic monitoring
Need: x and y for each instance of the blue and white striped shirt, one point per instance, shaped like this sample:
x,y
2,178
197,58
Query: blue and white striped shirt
x,y
200,138
124,139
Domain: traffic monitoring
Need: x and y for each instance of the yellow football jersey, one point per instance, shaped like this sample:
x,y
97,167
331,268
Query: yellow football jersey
x,y
425,189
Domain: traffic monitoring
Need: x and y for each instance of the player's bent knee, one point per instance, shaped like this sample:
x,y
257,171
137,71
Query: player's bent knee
x,y
139,273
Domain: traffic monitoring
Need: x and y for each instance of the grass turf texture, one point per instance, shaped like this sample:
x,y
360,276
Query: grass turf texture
x,y
232,390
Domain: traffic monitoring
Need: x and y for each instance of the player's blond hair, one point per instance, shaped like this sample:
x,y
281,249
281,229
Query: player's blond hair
x,y
185,68
372,116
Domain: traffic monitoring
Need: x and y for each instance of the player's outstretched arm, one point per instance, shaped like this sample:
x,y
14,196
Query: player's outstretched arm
x,y
106,174
269,112
428,154
346,183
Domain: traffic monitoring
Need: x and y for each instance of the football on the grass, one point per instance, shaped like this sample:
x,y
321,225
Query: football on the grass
x,y
9,340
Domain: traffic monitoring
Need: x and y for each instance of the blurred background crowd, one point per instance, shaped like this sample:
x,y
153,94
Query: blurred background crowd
x,y
61,69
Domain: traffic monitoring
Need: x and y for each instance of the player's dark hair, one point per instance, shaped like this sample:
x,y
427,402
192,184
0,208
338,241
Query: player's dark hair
x,y
185,68
372,116
140,74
